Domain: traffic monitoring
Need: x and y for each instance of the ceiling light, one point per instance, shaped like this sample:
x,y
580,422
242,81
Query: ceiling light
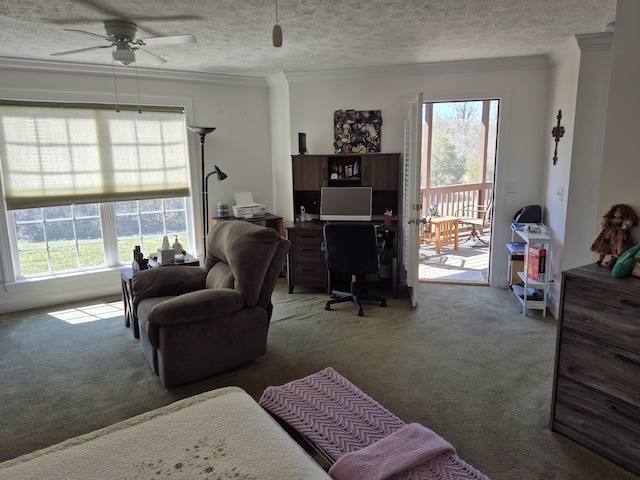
x,y
277,31
125,57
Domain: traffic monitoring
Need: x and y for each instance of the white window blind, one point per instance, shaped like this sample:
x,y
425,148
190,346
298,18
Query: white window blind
x,y
69,153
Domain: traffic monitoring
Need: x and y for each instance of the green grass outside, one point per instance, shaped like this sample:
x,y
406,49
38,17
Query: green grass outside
x,y
33,256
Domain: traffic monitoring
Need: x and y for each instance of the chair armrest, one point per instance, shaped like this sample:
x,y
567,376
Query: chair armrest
x,y
206,304
165,281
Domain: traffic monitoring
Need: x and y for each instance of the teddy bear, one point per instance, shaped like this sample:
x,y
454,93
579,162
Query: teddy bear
x,y
614,239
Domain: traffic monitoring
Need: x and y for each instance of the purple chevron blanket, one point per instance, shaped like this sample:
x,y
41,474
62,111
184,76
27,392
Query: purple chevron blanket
x,y
340,419
401,450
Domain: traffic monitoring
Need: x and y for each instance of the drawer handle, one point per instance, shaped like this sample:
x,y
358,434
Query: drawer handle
x,y
630,303
622,358
617,411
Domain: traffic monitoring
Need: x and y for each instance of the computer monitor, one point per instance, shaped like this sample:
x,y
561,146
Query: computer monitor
x,y
346,203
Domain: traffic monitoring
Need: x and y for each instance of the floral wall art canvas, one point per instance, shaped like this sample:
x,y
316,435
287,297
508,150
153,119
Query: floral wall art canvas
x,y
357,131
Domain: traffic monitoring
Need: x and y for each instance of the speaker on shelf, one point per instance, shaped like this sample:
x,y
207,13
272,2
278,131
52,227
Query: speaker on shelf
x,y
302,143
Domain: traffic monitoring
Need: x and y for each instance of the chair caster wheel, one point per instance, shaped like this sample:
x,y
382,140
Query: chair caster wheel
x,y
383,304
360,314
327,307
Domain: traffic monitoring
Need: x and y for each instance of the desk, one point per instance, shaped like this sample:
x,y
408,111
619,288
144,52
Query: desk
x,y
269,220
306,265
445,231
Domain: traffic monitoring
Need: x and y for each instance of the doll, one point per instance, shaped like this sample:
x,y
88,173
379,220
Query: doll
x,y
614,239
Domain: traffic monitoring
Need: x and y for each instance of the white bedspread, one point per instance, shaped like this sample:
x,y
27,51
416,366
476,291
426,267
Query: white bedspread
x,y
223,434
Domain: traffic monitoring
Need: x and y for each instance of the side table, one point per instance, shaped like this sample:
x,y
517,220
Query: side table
x,y
126,277
445,231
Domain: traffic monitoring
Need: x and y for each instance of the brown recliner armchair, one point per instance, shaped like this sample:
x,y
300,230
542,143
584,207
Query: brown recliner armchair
x,y
195,322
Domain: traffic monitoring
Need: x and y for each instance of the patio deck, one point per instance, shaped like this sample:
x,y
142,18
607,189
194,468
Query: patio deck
x,y
469,265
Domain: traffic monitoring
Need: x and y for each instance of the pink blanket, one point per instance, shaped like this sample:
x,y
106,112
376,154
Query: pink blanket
x,y
403,449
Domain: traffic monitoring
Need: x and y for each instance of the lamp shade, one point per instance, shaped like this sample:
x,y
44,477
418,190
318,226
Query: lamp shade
x,y
201,130
277,35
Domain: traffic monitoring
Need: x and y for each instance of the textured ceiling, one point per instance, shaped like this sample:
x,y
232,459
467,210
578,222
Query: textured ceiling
x,y
234,36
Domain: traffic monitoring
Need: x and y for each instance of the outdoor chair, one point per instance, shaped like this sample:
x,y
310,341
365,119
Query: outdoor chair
x,y
478,219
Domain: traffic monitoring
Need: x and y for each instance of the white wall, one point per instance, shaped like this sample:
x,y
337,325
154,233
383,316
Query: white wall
x,y
522,85
621,160
240,146
564,84
580,87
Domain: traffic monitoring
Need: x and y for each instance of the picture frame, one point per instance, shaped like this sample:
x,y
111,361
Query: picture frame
x,y
357,131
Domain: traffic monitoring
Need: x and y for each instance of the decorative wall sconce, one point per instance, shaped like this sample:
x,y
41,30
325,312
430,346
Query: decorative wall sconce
x,y
557,132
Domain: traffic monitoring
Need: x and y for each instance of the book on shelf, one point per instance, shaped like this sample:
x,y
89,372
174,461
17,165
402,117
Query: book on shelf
x,y
529,227
537,263
516,248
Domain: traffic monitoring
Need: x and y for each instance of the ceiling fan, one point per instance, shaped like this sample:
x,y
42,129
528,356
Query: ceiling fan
x,y
121,34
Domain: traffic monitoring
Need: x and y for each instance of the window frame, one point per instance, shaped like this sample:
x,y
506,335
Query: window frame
x,y
8,246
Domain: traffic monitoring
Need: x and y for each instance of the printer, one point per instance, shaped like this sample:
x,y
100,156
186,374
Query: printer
x,y
528,214
245,207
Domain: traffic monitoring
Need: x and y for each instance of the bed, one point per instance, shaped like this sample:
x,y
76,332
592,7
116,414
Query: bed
x,y
222,434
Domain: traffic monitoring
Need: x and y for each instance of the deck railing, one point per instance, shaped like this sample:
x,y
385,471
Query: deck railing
x,y
455,199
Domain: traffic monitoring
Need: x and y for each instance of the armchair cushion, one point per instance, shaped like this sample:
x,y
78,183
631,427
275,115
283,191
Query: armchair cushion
x,y
166,281
247,252
190,307
205,304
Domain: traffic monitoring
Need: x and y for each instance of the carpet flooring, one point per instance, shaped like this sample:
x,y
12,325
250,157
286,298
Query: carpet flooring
x,y
466,363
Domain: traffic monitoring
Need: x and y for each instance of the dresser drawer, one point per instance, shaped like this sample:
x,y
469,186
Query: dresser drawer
x,y
609,313
606,368
598,422
307,237
310,272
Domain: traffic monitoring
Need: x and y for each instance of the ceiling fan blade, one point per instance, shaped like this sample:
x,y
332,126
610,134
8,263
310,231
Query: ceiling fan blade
x,y
167,40
71,52
138,18
152,56
95,35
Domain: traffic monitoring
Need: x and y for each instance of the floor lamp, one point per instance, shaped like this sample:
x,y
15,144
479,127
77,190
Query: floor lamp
x,y
203,132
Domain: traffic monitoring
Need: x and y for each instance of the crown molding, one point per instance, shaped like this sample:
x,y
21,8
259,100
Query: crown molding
x,y
49,66
461,66
595,41
588,42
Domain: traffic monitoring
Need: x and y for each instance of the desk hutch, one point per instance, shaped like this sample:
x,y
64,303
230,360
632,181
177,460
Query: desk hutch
x,y
381,171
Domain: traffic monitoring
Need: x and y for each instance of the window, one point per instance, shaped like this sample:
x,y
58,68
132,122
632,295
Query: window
x,y
146,222
62,239
84,184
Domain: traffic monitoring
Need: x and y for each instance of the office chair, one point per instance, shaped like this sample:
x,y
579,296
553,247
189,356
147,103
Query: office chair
x,y
351,248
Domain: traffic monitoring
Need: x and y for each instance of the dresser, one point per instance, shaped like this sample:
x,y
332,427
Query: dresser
x,y
596,389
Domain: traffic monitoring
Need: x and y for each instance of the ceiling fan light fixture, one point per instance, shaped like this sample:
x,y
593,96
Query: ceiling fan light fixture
x,y
125,57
